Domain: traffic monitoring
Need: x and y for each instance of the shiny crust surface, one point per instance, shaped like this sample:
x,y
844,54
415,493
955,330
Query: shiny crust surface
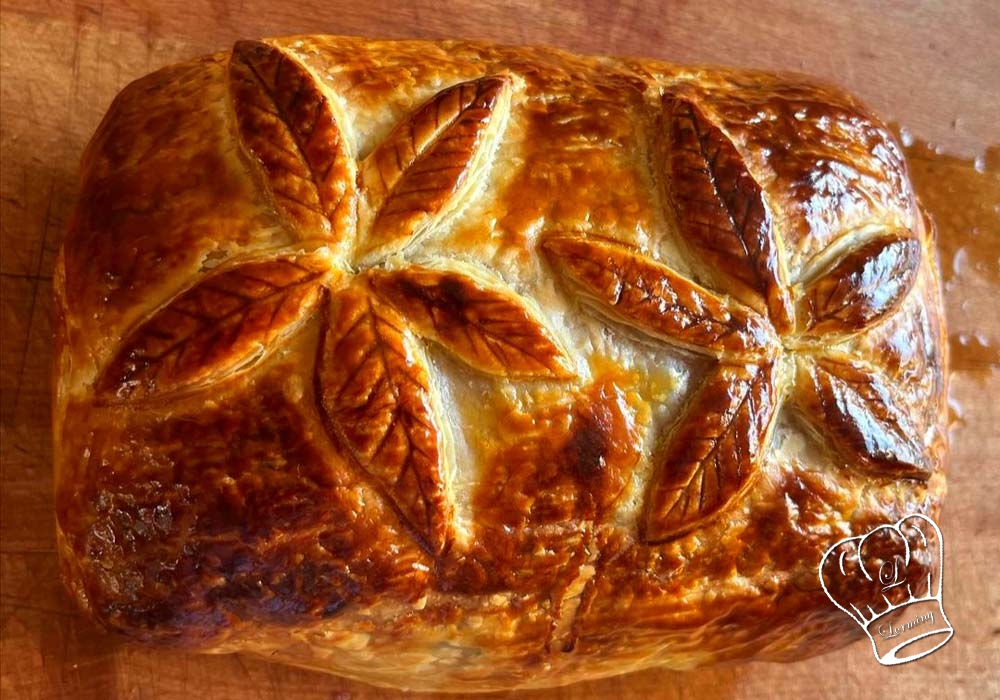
x,y
464,367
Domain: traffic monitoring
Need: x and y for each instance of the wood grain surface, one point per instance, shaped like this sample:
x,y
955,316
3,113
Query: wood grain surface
x,y
930,66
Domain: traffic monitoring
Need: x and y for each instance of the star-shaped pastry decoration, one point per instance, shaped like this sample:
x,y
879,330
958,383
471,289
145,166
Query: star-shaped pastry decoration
x,y
758,324
371,378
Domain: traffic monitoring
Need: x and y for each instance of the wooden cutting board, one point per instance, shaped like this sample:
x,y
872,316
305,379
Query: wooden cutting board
x,y
928,66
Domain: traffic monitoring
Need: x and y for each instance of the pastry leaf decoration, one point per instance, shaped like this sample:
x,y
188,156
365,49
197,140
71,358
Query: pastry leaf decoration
x,y
714,453
850,405
866,285
372,382
375,395
483,324
426,163
288,125
214,328
721,210
654,299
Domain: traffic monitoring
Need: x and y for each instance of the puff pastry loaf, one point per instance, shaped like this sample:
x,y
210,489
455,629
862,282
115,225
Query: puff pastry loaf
x,y
463,367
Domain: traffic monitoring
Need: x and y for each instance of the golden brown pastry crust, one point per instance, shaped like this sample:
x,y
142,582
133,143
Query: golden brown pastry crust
x,y
456,366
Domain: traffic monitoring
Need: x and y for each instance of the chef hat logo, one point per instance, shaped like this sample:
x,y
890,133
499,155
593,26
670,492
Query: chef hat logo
x,y
889,582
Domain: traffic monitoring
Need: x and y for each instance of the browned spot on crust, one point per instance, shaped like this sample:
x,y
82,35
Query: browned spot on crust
x,y
239,516
567,461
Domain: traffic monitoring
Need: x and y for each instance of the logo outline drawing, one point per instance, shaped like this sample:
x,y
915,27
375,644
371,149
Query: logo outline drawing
x,y
886,581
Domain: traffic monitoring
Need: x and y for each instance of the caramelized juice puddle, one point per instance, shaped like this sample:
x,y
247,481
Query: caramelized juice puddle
x,y
962,196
